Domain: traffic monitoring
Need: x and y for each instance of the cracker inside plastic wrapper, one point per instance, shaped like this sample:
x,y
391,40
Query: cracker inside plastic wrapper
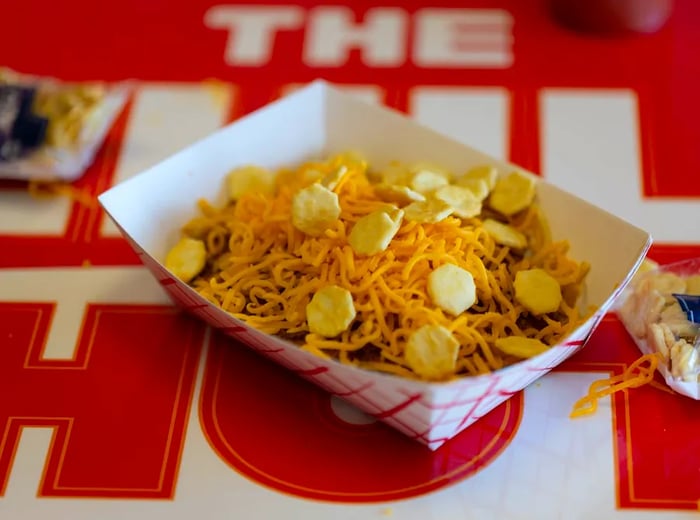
x,y
660,310
79,115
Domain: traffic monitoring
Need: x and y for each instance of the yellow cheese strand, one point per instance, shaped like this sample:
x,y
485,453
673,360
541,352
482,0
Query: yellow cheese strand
x,y
47,190
634,376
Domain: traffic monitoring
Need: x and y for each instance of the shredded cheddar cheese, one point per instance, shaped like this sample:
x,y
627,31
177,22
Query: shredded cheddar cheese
x,y
264,270
636,375
46,190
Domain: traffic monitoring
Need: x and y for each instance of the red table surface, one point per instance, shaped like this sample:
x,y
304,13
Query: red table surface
x,y
166,41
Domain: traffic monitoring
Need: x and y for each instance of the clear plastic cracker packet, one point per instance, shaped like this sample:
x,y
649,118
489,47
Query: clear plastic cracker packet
x,y
51,130
661,311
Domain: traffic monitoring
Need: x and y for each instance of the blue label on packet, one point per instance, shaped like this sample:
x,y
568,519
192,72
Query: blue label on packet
x,y
690,305
20,129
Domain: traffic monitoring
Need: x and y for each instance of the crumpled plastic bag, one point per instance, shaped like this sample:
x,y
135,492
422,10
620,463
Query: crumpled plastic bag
x,y
51,130
661,311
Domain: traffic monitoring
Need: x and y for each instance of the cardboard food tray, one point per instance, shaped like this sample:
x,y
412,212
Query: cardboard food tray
x,y
317,121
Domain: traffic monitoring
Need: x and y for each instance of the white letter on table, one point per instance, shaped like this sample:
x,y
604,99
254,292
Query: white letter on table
x,y
332,33
457,38
251,30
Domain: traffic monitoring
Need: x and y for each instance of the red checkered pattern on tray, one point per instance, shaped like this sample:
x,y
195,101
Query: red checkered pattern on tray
x,y
429,413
